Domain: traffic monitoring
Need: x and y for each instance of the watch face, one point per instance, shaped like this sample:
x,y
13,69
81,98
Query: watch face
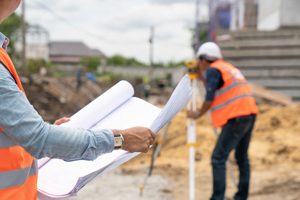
x,y
118,141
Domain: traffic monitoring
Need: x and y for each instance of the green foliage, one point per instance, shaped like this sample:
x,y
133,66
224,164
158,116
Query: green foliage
x,y
91,63
109,77
203,36
10,28
118,60
170,64
34,65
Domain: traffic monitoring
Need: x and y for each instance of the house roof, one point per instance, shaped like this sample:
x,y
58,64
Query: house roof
x,y
72,48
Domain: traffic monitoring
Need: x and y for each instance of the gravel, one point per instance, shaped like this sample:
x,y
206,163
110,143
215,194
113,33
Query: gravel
x,y
120,186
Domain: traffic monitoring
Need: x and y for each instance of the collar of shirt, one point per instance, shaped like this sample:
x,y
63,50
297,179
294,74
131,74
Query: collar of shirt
x,y
4,41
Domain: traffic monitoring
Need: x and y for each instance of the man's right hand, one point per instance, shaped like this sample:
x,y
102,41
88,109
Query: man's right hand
x,y
136,139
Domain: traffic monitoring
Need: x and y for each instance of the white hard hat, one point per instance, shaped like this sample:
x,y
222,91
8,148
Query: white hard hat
x,y
210,51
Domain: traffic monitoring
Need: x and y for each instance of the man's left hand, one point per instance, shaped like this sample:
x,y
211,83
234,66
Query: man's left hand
x,y
193,114
62,120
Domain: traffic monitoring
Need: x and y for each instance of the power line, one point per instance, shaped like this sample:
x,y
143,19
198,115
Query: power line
x,y
100,38
79,29
62,19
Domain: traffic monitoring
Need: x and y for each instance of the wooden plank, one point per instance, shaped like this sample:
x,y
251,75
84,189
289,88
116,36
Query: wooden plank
x,y
276,97
293,92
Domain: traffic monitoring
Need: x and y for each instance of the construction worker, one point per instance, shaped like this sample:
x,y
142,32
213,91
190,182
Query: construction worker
x,y
24,136
232,108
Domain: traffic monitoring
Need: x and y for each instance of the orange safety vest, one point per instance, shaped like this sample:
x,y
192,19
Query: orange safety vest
x,y
234,98
18,169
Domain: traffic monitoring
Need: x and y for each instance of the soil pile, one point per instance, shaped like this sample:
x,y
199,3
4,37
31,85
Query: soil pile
x,y
274,154
274,149
275,140
54,98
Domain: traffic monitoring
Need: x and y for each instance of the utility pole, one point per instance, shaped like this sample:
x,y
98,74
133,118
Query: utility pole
x,y
151,43
211,28
23,55
197,28
151,50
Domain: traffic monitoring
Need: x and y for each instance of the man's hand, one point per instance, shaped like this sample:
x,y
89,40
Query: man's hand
x,y
62,120
193,114
200,112
136,139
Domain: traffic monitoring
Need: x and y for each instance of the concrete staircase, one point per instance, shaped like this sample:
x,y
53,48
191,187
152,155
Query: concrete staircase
x,y
270,59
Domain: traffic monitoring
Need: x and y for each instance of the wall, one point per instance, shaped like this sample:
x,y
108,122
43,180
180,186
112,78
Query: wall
x,y
37,51
290,10
268,14
274,14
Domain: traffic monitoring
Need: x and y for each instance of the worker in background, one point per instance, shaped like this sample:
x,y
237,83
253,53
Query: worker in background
x,y
232,107
25,137
78,78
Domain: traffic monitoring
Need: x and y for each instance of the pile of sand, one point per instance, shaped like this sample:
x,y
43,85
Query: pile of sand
x,y
277,136
275,140
274,153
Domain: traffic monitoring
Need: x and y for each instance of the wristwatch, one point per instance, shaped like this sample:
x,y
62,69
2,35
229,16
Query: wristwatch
x,y
118,141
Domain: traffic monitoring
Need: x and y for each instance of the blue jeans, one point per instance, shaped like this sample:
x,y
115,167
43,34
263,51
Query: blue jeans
x,y
236,134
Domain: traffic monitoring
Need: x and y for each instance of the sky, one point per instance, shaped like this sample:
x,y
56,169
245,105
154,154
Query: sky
x,y
121,26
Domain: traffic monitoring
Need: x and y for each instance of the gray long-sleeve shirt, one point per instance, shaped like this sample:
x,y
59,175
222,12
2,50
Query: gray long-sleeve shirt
x,y
23,125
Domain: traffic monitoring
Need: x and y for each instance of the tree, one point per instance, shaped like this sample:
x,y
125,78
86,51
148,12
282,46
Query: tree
x,y
11,28
91,63
34,65
119,60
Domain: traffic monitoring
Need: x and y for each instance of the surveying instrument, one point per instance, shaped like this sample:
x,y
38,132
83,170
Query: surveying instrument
x,y
192,69
197,88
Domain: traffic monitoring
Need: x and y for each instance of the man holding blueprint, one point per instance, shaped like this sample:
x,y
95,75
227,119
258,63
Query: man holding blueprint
x,y
24,136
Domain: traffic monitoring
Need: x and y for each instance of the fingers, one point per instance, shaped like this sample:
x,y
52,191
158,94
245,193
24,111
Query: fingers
x,y
192,115
151,140
137,139
62,120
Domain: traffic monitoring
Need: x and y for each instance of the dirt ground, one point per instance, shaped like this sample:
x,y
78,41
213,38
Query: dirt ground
x,y
274,153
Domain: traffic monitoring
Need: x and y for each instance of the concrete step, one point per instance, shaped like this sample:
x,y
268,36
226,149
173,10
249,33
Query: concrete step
x,y
278,82
262,54
270,59
262,44
271,73
280,34
275,63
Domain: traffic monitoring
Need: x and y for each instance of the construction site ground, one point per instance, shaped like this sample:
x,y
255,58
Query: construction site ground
x,y
274,154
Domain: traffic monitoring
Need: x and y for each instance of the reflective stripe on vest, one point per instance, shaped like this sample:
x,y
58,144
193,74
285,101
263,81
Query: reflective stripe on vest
x,y
17,177
235,84
220,106
234,98
18,169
